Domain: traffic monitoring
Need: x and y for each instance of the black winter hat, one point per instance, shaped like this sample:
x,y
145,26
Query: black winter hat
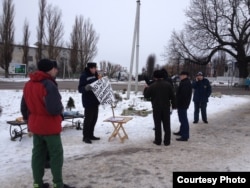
x,y
54,63
165,72
46,65
158,74
91,64
184,73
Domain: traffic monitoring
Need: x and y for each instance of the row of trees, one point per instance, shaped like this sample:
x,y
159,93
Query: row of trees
x,y
217,67
6,35
214,26
50,31
217,33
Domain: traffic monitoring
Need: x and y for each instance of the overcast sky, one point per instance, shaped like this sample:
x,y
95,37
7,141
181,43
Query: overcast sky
x,y
114,21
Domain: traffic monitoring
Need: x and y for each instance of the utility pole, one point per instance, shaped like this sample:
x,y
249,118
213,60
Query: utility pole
x,y
135,42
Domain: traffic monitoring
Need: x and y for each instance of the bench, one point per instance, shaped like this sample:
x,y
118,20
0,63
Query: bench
x,y
19,128
76,121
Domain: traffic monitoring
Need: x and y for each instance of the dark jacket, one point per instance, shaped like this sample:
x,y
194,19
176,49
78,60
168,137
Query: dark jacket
x,y
166,77
184,94
161,94
88,97
202,90
41,104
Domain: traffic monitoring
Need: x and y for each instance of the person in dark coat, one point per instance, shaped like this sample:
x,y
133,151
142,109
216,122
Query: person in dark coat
x,y
183,99
165,77
202,91
162,95
42,108
89,102
119,76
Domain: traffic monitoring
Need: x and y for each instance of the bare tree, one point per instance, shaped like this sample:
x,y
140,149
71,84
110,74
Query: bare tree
x,y
41,29
54,34
215,25
87,42
83,44
74,47
7,35
218,64
103,66
80,44
109,68
26,36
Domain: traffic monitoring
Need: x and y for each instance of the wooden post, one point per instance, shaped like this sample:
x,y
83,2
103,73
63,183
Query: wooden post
x,y
113,106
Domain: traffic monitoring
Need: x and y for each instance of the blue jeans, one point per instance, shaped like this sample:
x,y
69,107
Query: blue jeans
x,y
184,128
197,107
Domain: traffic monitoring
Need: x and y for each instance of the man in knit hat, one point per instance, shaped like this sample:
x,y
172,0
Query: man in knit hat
x,y
202,92
41,106
89,102
183,98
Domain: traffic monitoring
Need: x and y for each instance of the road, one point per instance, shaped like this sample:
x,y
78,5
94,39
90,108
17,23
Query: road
x,y
69,85
72,85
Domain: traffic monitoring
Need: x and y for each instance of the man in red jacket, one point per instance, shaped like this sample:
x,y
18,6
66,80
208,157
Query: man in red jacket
x,y
41,106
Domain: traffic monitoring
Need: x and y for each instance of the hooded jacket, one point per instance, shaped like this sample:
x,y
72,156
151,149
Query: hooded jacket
x,y
41,104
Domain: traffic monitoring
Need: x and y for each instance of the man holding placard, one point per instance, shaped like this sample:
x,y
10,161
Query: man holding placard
x,y
89,101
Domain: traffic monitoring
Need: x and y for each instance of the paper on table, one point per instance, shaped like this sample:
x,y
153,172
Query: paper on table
x,y
115,119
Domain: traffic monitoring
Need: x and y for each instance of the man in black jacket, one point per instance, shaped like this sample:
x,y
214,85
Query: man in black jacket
x,y
165,77
89,102
162,95
183,97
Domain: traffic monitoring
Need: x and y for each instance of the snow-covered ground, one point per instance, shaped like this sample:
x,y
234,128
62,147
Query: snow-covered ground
x,y
16,155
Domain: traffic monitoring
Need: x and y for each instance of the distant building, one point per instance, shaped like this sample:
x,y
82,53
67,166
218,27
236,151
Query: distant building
x,y
17,58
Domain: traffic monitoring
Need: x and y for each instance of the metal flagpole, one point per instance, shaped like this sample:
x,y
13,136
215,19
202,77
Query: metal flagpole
x,y
133,48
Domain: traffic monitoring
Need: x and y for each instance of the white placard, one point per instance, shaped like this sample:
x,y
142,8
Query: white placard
x,y
103,91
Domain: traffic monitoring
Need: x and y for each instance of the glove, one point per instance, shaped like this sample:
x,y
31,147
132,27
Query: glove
x,y
88,87
99,76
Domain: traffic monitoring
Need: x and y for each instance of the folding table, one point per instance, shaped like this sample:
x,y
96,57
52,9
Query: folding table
x,y
119,130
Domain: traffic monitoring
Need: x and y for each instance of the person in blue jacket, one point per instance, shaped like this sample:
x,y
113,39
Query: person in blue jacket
x,y
247,83
202,91
89,102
